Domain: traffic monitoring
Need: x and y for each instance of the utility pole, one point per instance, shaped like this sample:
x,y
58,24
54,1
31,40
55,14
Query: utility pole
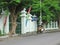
x,y
40,21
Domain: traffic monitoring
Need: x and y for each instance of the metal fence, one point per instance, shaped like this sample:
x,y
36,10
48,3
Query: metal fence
x,y
18,29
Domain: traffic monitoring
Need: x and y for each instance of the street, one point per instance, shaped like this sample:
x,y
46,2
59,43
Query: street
x,y
40,39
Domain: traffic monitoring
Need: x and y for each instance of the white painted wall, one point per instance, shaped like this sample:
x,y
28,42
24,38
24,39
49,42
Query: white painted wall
x,y
1,24
30,26
7,24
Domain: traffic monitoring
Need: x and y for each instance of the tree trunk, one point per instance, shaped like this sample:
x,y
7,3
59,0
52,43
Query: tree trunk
x,y
13,24
13,20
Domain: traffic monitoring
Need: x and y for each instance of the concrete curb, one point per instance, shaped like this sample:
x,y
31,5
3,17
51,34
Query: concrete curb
x,y
4,36
51,31
30,34
35,33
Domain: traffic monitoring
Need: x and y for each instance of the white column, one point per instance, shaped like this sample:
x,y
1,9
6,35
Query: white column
x,y
51,24
56,24
23,21
7,25
29,23
1,24
6,30
48,26
2,21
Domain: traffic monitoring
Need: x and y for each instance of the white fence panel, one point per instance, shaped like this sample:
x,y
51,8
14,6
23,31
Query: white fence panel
x,y
51,25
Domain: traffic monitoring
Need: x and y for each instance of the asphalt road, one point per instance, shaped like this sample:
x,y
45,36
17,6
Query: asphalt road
x,y
40,39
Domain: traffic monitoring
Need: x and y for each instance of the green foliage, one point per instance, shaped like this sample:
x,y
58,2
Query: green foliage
x,y
19,4
36,6
18,1
6,12
50,9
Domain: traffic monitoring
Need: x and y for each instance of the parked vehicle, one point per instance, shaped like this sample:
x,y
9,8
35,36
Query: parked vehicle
x,y
40,29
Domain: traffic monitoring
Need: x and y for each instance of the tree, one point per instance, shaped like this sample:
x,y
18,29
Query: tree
x,y
50,9
15,6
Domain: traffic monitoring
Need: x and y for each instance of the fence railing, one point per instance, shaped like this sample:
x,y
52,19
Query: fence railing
x,y
18,29
51,25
